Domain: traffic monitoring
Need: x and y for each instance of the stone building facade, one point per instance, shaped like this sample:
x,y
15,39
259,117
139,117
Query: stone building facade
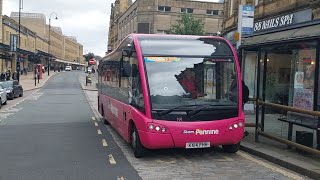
x,y
63,48
157,16
280,63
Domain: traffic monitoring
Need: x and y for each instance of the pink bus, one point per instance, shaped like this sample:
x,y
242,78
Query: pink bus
x,y
173,91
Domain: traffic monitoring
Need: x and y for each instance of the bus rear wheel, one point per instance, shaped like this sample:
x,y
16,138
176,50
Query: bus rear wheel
x,y
103,117
138,149
231,148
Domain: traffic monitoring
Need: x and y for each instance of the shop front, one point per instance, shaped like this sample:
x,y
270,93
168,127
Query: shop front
x,y
280,65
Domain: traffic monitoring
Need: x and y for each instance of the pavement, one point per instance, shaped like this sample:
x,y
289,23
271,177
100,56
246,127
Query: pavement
x,y
28,83
278,153
93,86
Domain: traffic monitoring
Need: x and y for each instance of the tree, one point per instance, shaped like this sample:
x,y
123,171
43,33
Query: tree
x,y
188,25
89,56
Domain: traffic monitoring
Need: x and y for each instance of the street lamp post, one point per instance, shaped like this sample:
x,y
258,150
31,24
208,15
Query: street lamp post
x,y
49,60
19,43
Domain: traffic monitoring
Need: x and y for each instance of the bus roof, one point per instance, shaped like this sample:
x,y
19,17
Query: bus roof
x,y
170,36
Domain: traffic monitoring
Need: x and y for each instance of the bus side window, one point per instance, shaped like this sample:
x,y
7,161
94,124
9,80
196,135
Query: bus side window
x,y
135,92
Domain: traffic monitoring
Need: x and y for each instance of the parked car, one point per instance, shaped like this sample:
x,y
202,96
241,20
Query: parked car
x,y
3,96
68,68
13,89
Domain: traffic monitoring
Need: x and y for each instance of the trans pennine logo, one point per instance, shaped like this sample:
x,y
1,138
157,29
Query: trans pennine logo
x,y
201,132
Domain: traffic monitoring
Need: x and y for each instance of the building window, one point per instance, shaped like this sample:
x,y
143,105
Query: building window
x,y
164,8
212,12
187,10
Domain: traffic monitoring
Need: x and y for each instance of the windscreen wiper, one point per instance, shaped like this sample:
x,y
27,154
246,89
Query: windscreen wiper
x,y
222,107
164,112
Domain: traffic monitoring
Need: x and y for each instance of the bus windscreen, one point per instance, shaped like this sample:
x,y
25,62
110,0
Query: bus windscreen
x,y
198,77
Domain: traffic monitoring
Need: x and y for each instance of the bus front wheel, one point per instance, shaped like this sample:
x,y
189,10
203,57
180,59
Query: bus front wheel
x,y
138,149
231,148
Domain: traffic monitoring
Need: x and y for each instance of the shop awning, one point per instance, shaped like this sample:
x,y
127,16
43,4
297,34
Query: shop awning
x,y
39,52
68,62
307,32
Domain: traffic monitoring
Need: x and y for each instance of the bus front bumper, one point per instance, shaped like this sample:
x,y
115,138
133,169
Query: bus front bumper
x,y
178,136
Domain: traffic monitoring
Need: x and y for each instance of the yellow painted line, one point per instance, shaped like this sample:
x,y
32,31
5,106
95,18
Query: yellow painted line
x,y
99,131
111,159
93,118
227,158
120,178
270,166
96,124
104,143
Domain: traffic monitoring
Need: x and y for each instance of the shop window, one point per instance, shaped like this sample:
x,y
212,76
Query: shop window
x,y
291,68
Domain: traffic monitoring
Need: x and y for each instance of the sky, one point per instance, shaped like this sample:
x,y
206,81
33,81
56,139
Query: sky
x,y
87,20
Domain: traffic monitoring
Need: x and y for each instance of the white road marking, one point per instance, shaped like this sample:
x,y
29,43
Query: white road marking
x,y
96,124
4,116
99,131
93,118
111,159
270,166
12,109
35,96
120,178
104,143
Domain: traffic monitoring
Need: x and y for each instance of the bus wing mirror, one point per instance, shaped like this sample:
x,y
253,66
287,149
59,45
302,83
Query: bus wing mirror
x,y
126,53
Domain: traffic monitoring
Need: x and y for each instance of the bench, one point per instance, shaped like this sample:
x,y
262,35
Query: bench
x,y
303,121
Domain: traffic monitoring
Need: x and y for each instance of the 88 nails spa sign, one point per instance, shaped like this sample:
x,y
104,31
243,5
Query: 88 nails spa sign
x,y
283,20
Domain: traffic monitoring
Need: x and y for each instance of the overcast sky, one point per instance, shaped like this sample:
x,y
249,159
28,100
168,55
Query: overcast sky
x,y
87,20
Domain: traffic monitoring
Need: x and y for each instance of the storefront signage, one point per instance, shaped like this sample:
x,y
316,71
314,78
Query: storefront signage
x,y
284,20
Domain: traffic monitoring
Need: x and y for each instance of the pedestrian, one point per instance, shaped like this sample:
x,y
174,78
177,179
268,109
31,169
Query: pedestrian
x,y
3,76
8,75
15,75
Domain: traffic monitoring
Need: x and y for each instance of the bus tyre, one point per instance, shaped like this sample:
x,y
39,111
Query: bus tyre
x,y
105,122
138,149
231,148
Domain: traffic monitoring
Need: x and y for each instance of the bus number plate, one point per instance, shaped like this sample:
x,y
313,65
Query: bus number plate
x,y
192,145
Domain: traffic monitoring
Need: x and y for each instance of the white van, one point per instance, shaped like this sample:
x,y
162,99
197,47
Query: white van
x,y
68,68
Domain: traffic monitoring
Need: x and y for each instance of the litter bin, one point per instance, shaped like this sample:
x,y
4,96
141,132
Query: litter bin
x,y
304,138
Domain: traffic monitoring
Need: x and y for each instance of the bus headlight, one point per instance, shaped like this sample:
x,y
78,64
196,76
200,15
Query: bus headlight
x,y
151,127
157,128
235,125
